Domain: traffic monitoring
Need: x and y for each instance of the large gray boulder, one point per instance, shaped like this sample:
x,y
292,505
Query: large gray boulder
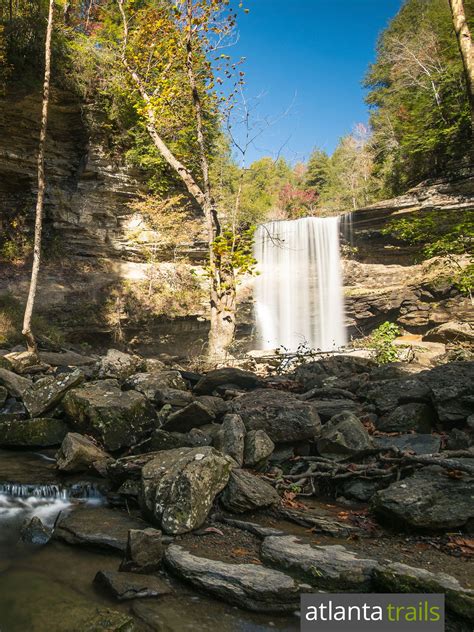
x,y
230,439
3,396
344,435
226,376
178,487
451,388
329,568
247,492
280,414
430,499
388,394
47,392
78,454
400,578
316,374
414,416
246,585
117,418
41,432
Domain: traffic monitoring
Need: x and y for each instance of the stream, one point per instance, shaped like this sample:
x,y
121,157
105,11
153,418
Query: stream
x,y
50,588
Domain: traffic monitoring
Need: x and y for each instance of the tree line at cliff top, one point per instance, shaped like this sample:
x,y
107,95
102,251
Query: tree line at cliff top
x,y
420,121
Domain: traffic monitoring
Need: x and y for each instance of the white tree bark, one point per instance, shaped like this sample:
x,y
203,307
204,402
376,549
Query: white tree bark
x,y
466,47
27,330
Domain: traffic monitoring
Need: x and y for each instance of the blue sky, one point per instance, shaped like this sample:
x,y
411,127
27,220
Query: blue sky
x,y
309,56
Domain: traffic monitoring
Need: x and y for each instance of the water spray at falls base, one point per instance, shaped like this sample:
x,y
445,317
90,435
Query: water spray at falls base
x,y
298,292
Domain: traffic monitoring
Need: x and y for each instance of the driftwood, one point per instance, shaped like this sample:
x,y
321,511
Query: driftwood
x,y
383,464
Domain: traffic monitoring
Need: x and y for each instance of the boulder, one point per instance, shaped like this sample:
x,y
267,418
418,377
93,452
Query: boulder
x,y
15,384
124,586
231,438
451,388
430,499
226,376
247,492
191,416
344,435
218,405
179,487
3,396
12,411
362,489
33,531
118,419
388,394
328,408
97,527
246,585
119,365
153,385
452,331
458,440
163,440
47,392
400,578
78,453
315,374
144,551
129,467
258,448
281,415
416,443
413,416
65,358
22,361
41,432
329,568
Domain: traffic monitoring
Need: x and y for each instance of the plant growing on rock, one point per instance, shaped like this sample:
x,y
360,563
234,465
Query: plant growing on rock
x,y
381,341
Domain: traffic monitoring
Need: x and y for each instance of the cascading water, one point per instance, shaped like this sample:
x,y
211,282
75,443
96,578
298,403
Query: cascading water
x,y
298,293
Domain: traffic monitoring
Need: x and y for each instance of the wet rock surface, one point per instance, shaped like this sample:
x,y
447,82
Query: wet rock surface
x,y
323,567
246,585
124,586
97,527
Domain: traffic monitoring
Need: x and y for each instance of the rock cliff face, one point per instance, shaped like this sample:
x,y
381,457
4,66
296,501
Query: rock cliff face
x,y
87,210
383,280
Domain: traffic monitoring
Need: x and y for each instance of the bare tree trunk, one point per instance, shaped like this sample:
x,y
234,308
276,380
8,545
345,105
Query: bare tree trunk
x,y
27,331
467,49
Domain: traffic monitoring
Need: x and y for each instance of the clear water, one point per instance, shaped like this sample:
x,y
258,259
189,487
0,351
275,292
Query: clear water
x,y
298,292
50,588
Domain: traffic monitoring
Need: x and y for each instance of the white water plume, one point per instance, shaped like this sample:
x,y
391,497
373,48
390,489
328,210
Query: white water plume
x,y
298,293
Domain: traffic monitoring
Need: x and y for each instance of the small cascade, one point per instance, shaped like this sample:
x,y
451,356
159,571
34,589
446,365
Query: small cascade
x,y
298,293
19,502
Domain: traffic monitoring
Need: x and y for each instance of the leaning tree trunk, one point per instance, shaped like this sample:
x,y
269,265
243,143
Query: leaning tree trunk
x,y
27,331
223,284
467,49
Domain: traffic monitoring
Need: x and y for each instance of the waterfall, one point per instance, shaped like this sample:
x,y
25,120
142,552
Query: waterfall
x,y
298,293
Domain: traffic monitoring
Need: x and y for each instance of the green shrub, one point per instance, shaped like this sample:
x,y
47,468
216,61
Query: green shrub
x,y
381,341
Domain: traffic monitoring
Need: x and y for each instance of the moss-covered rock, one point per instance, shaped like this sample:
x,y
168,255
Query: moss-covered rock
x,y
38,432
118,419
178,487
